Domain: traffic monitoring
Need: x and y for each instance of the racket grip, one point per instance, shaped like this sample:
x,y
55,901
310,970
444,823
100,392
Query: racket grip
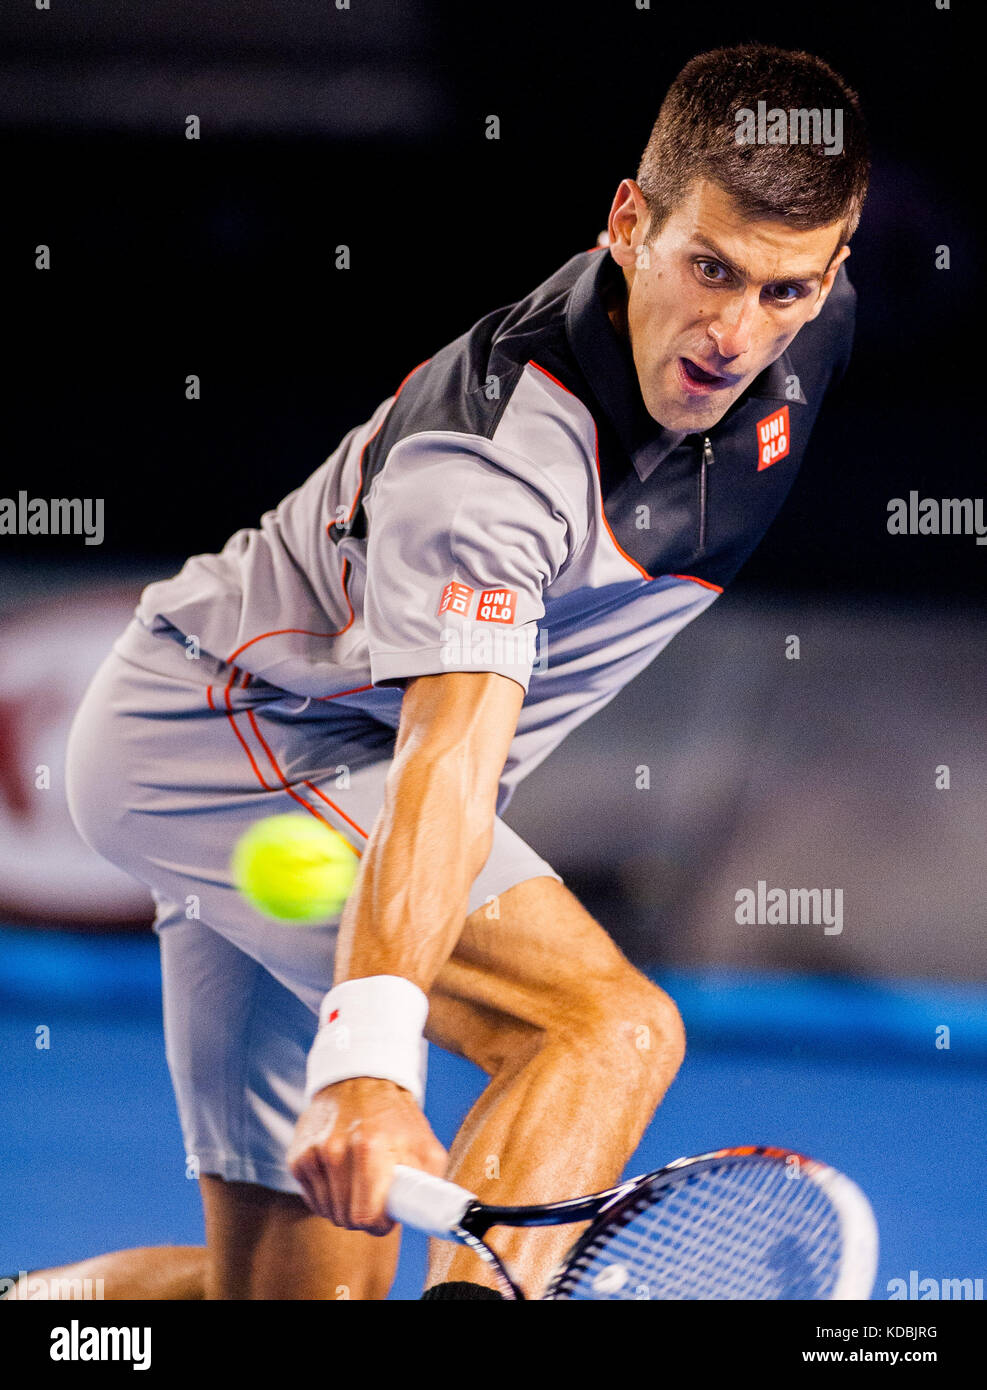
x,y
425,1202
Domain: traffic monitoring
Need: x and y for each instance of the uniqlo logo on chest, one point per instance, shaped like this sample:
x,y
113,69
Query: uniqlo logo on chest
x,y
773,438
455,598
497,606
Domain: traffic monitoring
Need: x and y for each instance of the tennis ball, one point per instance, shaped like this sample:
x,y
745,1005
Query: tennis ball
x,y
294,869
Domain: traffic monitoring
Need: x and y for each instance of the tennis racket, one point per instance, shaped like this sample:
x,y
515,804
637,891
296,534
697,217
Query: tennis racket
x,y
744,1223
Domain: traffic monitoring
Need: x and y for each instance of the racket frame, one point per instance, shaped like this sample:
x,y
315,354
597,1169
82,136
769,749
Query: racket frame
x,y
858,1230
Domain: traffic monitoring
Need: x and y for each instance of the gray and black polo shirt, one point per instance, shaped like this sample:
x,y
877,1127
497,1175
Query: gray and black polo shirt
x,y
511,508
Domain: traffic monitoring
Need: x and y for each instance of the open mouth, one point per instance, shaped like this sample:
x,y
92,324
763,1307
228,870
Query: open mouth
x,y
697,380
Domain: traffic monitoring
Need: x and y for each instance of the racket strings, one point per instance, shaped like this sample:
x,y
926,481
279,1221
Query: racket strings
x,y
745,1231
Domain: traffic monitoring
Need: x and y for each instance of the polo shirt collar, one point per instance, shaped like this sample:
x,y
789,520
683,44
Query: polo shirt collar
x,y
605,357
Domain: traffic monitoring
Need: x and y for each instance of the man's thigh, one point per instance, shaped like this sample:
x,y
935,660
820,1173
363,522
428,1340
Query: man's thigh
x,y
531,961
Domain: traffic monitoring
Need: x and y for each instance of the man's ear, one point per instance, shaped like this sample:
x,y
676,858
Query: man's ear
x,y
628,224
827,281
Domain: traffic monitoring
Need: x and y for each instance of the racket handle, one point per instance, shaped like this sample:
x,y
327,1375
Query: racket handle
x,y
425,1202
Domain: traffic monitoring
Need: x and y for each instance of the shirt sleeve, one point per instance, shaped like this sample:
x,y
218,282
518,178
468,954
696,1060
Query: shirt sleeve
x,y
462,539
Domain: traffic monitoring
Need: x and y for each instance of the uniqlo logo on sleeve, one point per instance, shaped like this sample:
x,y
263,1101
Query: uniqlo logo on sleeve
x,y
497,606
455,598
773,438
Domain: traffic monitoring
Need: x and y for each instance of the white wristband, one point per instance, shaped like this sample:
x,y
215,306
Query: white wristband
x,y
371,1027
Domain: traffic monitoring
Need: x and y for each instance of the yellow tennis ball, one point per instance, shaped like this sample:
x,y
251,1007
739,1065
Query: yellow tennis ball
x,y
294,869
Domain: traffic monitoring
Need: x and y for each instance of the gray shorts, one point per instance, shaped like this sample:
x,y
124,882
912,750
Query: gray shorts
x,y
168,761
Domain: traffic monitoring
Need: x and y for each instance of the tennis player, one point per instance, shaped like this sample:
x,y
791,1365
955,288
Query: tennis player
x,y
516,532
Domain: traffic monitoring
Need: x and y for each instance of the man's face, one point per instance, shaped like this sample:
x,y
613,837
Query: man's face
x,y
714,299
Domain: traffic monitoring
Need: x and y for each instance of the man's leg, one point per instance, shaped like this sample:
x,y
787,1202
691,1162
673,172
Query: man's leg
x,y
236,1040
580,1048
267,1245
150,1273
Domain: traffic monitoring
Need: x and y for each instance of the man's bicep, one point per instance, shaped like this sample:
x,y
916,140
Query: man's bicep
x,y
465,714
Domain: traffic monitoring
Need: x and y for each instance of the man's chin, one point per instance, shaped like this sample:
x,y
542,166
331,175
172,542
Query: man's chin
x,y
692,415
678,408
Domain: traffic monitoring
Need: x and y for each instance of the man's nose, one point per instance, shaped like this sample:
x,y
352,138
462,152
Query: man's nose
x,y
732,330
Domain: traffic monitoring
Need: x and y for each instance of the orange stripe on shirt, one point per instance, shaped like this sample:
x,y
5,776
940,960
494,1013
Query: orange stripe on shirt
x,y
285,786
596,450
717,589
368,442
349,821
242,741
278,632
277,769
339,695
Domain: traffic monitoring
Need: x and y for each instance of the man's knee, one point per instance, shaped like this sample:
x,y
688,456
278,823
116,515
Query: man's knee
x,y
623,1030
547,975
626,1029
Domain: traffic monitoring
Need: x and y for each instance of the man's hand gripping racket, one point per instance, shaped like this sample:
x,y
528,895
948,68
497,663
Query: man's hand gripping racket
x,y
746,1223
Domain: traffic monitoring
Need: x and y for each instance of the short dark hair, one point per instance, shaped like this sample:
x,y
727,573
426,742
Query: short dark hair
x,y
695,136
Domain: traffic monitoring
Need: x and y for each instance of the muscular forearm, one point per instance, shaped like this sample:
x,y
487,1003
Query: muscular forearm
x,y
430,840
404,918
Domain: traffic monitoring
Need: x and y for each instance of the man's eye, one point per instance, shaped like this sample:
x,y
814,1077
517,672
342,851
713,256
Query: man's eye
x,y
786,294
712,271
